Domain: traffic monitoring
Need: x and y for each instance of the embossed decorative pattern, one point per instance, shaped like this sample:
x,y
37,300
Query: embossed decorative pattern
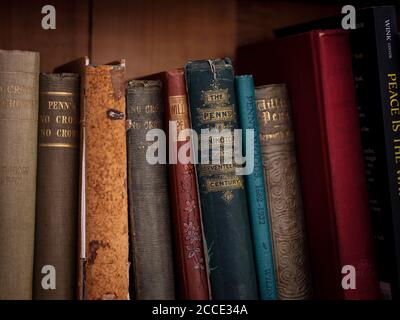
x,y
283,192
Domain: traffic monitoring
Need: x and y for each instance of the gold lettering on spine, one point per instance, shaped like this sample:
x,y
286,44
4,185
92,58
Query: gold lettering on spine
x,y
210,115
274,113
212,169
223,183
216,97
394,107
60,105
178,110
58,122
218,113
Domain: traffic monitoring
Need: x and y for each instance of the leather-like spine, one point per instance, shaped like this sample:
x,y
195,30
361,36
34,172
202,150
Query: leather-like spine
x,y
149,213
188,234
19,88
283,192
105,180
256,194
57,186
212,102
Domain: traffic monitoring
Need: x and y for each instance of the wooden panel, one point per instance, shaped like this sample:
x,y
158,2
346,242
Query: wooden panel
x,y
161,34
21,28
258,18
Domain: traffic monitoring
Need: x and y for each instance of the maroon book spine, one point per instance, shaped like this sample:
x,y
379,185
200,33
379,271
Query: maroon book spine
x,y
190,259
317,68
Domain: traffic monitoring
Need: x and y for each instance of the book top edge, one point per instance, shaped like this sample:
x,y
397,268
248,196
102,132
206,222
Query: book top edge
x,y
21,52
60,75
244,76
132,84
118,64
209,64
276,87
16,61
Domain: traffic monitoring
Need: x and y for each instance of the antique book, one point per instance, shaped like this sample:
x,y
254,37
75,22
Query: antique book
x,y
225,217
104,204
57,187
255,188
329,154
376,54
283,192
19,89
190,258
149,212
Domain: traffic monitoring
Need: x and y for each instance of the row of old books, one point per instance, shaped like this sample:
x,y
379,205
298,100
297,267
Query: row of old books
x,y
88,210
92,206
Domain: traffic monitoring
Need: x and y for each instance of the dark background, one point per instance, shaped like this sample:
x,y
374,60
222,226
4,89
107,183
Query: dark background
x,y
152,35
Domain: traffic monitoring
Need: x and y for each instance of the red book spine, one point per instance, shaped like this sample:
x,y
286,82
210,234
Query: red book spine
x,y
317,69
191,263
347,179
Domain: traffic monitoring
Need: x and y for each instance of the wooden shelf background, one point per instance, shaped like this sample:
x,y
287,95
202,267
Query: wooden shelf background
x,y
152,35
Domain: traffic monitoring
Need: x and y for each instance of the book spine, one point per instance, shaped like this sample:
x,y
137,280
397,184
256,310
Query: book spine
x,y
106,208
388,62
256,194
148,195
283,192
211,94
349,201
189,247
19,88
57,187
373,55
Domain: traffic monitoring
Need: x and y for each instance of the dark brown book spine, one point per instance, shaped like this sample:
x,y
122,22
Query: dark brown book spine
x,y
189,247
104,209
148,196
19,89
57,187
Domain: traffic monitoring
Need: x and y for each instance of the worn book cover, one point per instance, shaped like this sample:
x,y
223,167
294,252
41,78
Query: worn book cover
x,y
212,100
255,188
149,211
57,187
19,90
104,198
191,264
329,154
283,192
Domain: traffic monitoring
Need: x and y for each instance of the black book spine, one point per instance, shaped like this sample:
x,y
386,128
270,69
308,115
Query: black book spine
x,y
387,61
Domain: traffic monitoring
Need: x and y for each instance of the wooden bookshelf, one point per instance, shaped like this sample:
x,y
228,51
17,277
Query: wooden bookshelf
x,y
151,35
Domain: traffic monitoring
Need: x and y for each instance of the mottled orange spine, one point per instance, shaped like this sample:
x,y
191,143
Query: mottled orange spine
x,y
105,219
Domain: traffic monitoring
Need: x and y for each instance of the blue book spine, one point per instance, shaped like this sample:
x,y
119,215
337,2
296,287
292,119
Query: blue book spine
x,y
256,194
224,209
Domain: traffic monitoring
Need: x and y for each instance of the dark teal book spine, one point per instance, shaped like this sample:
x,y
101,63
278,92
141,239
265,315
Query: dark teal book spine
x,y
255,187
211,94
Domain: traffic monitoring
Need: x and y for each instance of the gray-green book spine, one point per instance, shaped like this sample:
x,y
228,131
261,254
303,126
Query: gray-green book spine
x,y
149,214
19,82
